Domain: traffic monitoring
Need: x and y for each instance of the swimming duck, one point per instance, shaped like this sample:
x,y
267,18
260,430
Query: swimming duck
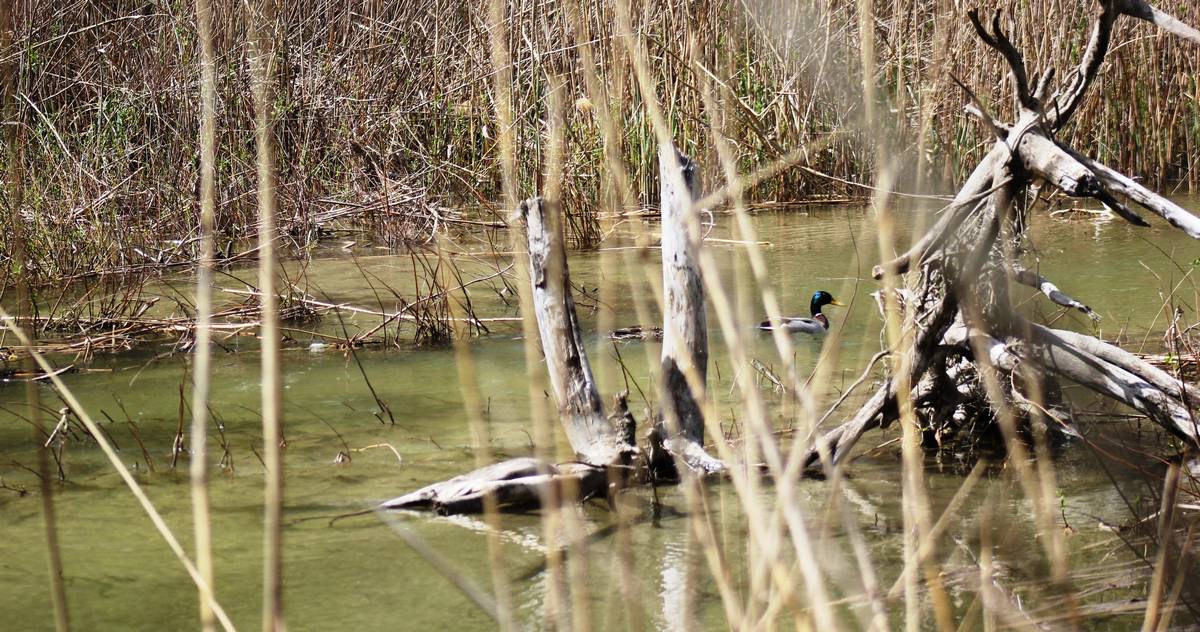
x,y
818,324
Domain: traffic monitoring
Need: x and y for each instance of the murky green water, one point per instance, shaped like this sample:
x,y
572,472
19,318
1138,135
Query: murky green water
x,y
359,574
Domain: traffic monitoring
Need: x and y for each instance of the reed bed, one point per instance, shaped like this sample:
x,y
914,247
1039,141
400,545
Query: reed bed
x,y
387,108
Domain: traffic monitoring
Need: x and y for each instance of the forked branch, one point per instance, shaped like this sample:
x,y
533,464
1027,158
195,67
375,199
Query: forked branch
x,y
1016,62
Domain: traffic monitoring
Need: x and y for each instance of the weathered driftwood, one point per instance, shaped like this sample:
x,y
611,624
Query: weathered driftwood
x,y
599,445
513,484
962,327
582,413
685,329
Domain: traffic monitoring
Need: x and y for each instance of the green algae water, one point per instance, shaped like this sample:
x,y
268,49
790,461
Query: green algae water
x,y
344,452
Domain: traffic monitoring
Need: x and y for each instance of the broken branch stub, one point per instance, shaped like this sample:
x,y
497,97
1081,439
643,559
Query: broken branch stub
x,y
1050,290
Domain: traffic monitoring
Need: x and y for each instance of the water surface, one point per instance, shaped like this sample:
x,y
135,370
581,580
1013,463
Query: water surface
x,y
359,574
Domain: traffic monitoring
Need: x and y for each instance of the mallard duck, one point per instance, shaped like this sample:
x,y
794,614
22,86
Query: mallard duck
x,y
818,324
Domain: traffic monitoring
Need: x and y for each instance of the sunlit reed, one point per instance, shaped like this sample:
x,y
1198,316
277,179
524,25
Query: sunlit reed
x,y
201,369
264,33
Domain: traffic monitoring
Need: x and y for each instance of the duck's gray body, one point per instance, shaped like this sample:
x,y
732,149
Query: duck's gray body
x,y
812,326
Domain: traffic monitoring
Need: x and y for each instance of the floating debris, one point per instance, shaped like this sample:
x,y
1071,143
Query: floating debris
x,y
637,332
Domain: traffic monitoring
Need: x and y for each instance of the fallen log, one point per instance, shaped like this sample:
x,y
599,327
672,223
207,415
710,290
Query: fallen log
x,y
514,484
988,334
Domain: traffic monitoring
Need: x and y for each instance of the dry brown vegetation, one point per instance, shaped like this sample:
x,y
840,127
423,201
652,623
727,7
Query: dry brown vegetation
x,y
384,115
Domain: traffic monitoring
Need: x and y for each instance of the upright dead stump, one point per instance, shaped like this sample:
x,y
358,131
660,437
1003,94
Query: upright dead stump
x,y
579,406
519,483
685,329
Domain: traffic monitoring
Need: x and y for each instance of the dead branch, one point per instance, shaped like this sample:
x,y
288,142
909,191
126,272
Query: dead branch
x,y
1117,183
1050,290
1059,357
968,201
1143,10
1016,63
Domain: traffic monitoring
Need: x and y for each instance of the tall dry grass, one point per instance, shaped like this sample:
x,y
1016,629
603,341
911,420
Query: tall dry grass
x,y
264,39
202,366
396,100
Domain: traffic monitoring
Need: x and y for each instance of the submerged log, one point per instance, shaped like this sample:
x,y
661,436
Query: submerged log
x,y
514,484
637,332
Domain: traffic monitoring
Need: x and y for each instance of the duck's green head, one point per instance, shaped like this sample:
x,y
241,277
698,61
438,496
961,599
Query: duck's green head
x,y
820,299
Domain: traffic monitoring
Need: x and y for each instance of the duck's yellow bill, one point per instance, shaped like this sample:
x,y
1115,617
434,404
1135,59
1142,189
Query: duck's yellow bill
x,y
837,302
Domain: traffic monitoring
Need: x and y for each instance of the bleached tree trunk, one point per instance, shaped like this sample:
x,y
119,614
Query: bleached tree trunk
x,y
685,328
580,409
600,449
685,324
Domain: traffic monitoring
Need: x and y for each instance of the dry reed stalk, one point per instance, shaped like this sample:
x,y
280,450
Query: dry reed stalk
x,y
557,220
762,431
264,27
481,438
1166,527
14,140
701,526
617,193
201,373
58,595
558,605
761,439
913,498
